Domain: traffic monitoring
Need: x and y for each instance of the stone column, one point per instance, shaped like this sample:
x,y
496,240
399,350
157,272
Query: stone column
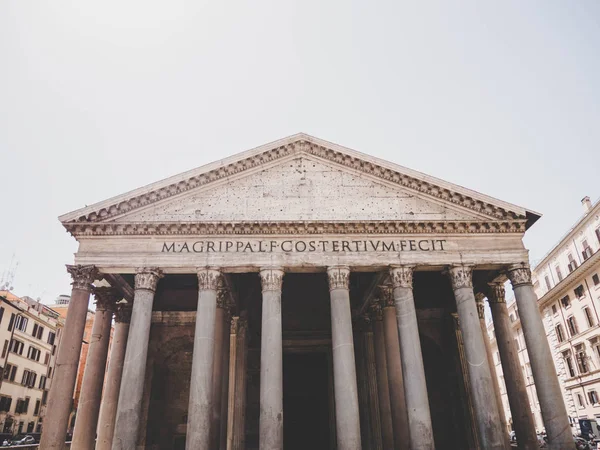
x,y
225,382
511,367
344,370
86,423
479,301
108,411
129,409
482,387
271,362
67,361
383,390
218,375
200,406
375,440
552,405
238,358
395,375
411,358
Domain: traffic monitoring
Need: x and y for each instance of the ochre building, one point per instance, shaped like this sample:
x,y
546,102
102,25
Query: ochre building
x,y
300,295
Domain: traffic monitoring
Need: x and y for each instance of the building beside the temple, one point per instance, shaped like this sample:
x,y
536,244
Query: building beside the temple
x,y
567,283
29,336
300,295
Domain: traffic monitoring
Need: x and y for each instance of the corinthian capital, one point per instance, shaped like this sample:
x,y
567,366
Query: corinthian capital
x,y
479,301
461,277
83,276
496,293
271,279
123,312
209,279
387,295
338,277
519,274
402,276
106,297
147,278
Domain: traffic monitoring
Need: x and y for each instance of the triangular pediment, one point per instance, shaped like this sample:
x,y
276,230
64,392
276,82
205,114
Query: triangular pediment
x,y
298,179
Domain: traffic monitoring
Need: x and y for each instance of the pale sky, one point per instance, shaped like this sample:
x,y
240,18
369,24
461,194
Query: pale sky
x,y
98,98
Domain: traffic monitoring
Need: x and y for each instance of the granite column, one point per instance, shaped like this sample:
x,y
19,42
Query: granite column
x,y
344,369
554,413
86,423
219,367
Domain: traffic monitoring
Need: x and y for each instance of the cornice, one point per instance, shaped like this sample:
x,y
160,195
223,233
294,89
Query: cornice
x,y
400,176
292,228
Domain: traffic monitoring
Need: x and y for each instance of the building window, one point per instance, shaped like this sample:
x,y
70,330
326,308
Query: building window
x,y
34,353
47,358
559,273
572,263
517,344
566,301
21,323
38,331
528,373
596,279
554,310
547,280
572,325
10,372
30,427
587,251
593,397
512,318
598,234
579,292
580,401
1,313
588,316
36,410
559,333
4,349
582,362
51,337
42,384
5,403
29,378
17,347
22,406
569,363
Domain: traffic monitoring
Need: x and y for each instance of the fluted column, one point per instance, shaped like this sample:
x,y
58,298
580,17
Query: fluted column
x,y
547,387
415,387
487,416
86,423
383,390
238,358
110,399
344,370
271,362
200,406
219,367
129,409
67,361
479,301
513,375
394,365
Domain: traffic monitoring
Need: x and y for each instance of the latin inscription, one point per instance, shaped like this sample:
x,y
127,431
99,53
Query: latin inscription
x,y
302,246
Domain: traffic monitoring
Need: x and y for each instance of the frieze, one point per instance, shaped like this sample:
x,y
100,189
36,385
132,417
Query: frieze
x,y
83,276
293,228
460,277
328,154
338,277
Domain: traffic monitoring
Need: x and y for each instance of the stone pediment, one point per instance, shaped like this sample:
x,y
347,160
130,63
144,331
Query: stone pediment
x,y
300,179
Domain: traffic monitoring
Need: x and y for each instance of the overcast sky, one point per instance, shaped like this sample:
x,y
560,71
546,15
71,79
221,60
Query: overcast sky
x,y
98,98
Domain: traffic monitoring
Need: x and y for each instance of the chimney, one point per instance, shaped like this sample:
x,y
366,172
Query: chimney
x,y
587,204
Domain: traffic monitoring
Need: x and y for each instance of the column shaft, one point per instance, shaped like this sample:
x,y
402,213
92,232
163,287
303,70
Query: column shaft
x,y
372,392
395,376
415,387
200,406
482,387
344,368
217,376
225,383
86,423
67,361
236,412
387,433
108,411
552,404
513,375
271,362
129,409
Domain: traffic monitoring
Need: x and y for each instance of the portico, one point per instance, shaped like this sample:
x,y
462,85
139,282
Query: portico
x,y
303,295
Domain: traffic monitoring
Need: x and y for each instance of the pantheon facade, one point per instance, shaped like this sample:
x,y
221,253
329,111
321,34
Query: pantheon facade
x,y
300,295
